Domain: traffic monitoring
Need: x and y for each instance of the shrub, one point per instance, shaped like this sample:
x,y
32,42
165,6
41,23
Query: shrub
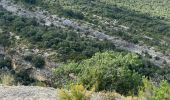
x,y
39,83
73,14
7,79
153,92
38,61
5,63
31,1
28,57
107,71
76,92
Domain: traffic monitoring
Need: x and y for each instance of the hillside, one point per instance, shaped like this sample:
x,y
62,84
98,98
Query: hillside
x,y
104,45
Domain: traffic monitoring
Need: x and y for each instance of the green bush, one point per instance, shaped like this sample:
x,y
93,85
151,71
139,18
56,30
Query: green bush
x,y
151,91
7,79
105,71
38,61
28,57
5,63
76,92
73,14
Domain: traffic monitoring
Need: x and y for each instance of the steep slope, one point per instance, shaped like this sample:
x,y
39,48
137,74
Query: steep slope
x,y
85,28
84,46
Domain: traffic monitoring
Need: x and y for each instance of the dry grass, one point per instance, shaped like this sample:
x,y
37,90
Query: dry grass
x,y
7,79
76,92
111,96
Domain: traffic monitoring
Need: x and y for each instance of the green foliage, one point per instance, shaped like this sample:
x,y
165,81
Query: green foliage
x,y
39,83
153,22
153,92
68,43
76,92
73,14
5,39
5,63
38,61
7,79
161,92
28,1
153,7
23,77
107,71
31,1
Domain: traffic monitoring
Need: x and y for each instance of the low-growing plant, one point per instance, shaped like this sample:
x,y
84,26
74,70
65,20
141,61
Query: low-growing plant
x,y
151,91
7,79
76,92
5,63
38,61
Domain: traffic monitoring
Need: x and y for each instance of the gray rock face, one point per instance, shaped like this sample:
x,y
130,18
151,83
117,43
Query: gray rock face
x,y
27,93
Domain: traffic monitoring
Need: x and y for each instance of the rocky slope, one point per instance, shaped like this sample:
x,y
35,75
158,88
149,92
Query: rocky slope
x,y
48,19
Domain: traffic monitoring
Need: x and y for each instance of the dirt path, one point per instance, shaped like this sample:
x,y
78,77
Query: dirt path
x,y
62,22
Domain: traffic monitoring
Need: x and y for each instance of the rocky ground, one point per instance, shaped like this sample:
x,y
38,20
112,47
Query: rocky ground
x,y
43,93
27,93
